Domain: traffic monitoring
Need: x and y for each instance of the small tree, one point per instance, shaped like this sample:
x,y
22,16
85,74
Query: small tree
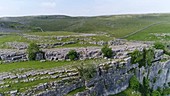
x,y
107,52
134,83
72,55
146,86
32,50
149,56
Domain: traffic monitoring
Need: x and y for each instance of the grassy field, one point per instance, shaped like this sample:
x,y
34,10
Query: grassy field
x,y
24,86
34,65
11,38
16,37
45,65
160,32
116,25
107,27
56,33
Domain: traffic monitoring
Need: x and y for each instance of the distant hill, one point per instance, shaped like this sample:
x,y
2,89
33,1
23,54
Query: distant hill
x,y
117,25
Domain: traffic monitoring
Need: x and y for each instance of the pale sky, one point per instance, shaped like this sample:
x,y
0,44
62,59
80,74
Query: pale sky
x,y
81,7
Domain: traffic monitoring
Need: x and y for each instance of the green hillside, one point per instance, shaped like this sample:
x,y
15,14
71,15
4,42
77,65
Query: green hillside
x,y
116,25
160,32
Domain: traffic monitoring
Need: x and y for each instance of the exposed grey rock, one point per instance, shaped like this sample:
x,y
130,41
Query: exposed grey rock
x,y
112,81
158,53
17,45
1,82
13,92
9,56
117,42
13,77
112,77
39,56
42,60
12,55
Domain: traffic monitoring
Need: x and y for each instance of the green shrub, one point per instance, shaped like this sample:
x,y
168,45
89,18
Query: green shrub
x,y
134,83
155,93
143,58
136,57
32,50
127,92
72,55
159,72
159,90
87,72
166,92
159,45
107,52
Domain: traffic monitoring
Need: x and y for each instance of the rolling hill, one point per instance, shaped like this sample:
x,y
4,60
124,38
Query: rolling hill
x,y
116,25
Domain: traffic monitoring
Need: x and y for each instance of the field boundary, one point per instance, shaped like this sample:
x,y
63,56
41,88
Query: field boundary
x,y
146,27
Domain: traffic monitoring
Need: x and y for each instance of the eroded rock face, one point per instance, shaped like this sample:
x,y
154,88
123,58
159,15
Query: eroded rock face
x,y
158,73
161,73
116,78
112,77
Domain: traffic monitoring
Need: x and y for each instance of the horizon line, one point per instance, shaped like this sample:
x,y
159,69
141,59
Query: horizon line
x,y
117,14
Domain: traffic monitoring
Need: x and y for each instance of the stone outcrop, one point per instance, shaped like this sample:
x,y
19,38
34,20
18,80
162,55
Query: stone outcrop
x,y
14,55
8,55
17,45
117,76
111,42
111,77
44,46
39,56
54,44
84,53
